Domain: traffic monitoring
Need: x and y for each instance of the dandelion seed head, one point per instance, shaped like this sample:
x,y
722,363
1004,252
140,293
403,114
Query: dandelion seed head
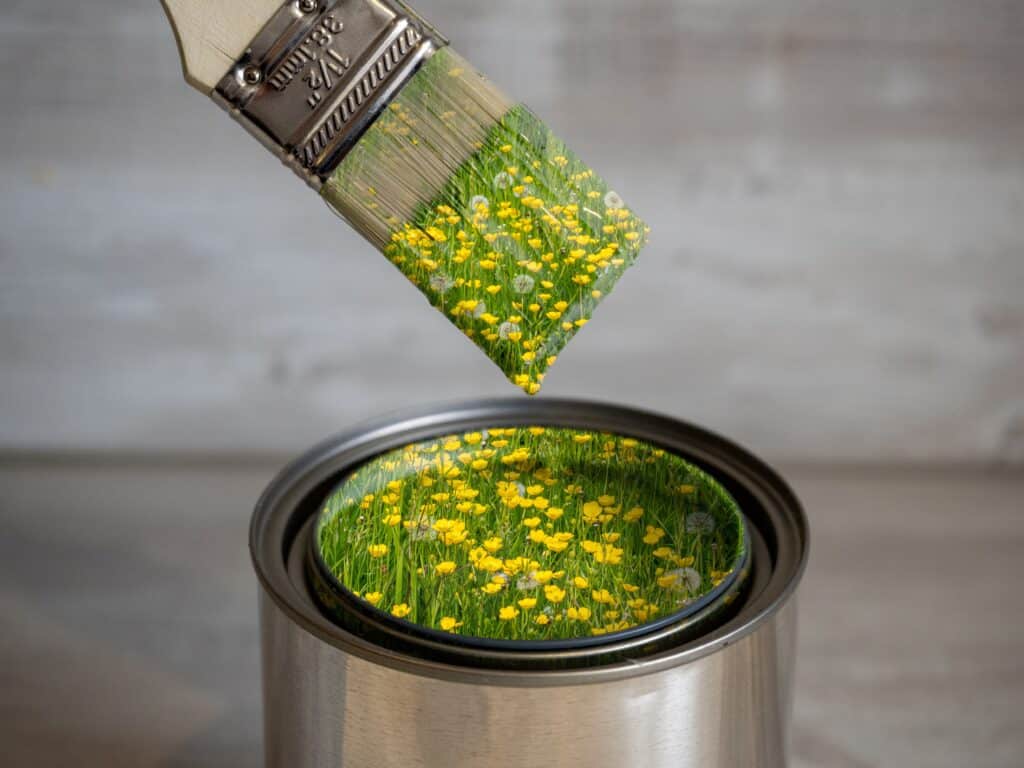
x,y
507,328
685,579
700,522
527,582
612,200
441,283
522,283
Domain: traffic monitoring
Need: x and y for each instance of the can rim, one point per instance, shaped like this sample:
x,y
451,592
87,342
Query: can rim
x,y
274,524
713,598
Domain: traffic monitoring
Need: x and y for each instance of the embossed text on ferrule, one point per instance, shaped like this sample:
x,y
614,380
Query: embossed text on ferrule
x,y
358,93
317,46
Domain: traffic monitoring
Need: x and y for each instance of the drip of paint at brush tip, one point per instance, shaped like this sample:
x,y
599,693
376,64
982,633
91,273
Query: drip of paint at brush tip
x,y
504,230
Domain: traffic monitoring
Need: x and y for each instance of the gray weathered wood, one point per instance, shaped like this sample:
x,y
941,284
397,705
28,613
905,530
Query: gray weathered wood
x,y
836,190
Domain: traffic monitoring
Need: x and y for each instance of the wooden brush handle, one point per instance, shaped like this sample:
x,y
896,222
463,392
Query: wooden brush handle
x,y
212,34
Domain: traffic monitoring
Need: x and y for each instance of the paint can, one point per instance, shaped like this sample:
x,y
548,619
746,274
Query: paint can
x,y
713,690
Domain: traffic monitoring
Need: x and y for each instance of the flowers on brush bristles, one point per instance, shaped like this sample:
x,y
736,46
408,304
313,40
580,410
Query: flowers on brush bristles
x,y
522,224
529,533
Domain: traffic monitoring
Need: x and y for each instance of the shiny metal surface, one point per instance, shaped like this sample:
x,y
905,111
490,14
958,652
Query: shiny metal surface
x,y
319,73
721,700
326,707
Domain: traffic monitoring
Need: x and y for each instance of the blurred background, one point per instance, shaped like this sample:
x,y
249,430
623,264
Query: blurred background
x,y
836,193
835,188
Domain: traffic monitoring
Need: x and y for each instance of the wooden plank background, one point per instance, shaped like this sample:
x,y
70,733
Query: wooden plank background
x,y
836,189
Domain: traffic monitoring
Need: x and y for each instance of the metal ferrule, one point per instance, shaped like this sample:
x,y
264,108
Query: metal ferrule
x,y
319,73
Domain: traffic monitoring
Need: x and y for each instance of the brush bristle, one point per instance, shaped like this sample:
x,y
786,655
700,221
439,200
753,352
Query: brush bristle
x,y
503,228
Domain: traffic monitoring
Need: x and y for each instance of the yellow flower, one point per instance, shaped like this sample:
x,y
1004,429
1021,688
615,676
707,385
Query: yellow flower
x,y
633,515
493,544
490,564
392,519
542,619
491,588
449,624
531,522
401,610
608,554
591,511
537,536
579,614
653,535
554,594
445,568
602,596
543,577
508,613
377,550
663,552
527,603
606,501
373,597
580,582
555,544
451,532
554,513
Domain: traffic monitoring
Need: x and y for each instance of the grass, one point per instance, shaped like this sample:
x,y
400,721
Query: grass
x,y
522,241
530,533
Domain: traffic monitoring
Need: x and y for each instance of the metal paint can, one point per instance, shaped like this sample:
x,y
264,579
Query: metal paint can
x,y
716,694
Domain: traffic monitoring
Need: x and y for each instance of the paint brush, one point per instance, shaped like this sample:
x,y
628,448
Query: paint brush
x,y
503,228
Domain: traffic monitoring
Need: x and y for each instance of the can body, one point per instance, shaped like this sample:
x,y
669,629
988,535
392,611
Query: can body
x,y
332,699
323,707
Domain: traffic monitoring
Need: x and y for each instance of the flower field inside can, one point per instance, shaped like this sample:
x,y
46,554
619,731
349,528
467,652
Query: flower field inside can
x,y
530,534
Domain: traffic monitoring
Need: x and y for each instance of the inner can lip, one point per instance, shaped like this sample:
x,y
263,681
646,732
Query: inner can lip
x,y
342,601
774,516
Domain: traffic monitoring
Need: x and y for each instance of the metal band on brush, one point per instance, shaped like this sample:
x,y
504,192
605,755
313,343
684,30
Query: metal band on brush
x,y
319,73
